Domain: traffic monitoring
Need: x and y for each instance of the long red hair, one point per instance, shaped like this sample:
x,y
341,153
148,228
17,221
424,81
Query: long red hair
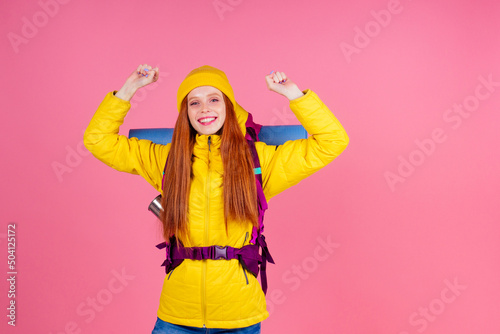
x,y
239,193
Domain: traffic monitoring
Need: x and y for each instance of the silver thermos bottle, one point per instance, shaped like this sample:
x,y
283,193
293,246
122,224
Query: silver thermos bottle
x,y
155,206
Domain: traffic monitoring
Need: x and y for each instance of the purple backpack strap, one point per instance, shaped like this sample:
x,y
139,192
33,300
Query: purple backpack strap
x,y
266,257
170,262
252,136
247,255
258,238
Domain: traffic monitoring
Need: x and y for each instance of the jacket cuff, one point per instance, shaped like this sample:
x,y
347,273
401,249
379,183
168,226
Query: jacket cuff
x,y
306,100
307,95
116,100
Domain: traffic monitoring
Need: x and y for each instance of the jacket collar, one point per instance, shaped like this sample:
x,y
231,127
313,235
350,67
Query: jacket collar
x,y
241,115
202,141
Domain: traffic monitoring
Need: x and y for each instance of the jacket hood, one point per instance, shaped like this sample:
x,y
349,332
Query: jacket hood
x,y
242,116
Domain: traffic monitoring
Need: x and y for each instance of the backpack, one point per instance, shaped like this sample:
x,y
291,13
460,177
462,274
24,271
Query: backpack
x,y
248,256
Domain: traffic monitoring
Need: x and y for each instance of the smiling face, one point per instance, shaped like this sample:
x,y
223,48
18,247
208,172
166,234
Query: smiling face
x,y
206,109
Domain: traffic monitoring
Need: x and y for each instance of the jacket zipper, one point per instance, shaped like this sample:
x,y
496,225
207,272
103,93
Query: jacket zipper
x,y
170,273
204,264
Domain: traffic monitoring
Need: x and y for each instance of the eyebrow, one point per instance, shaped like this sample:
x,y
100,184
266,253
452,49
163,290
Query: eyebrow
x,y
209,95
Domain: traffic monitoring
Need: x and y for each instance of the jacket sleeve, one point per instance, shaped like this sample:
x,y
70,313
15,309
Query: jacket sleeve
x,y
135,156
286,165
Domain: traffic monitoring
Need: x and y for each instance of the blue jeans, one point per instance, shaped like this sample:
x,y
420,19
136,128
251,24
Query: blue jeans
x,y
162,327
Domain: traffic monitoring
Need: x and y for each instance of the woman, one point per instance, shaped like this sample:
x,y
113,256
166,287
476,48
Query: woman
x,y
209,187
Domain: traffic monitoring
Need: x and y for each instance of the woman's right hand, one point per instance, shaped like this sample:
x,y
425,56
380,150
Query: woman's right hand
x,y
142,76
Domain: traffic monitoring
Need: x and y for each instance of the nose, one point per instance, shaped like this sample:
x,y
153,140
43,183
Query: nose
x,y
204,107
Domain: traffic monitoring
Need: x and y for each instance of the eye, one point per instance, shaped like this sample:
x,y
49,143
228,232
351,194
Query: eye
x,y
214,99
193,103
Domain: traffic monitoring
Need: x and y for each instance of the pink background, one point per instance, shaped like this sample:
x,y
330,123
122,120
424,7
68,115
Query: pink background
x,y
398,247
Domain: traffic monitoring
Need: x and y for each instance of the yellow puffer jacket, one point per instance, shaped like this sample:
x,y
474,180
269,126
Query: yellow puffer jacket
x,y
216,293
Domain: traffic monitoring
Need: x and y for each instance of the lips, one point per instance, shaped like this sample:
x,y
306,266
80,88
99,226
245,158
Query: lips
x,y
207,120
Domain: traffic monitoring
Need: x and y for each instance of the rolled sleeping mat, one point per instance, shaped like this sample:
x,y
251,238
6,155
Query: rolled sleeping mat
x,y
269,134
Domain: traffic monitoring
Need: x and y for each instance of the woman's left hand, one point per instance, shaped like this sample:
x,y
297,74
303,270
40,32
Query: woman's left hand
x,y
278,82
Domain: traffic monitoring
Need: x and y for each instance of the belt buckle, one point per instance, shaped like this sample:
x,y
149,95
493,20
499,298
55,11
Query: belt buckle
x,y
220,252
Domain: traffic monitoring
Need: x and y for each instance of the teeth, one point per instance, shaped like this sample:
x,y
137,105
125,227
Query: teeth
x,y
206,120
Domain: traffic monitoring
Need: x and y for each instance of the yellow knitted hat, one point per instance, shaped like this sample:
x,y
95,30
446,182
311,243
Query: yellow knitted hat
x,y
205,76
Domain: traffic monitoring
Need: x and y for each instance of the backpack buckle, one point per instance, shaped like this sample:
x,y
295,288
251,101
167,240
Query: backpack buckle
x,y
220,252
